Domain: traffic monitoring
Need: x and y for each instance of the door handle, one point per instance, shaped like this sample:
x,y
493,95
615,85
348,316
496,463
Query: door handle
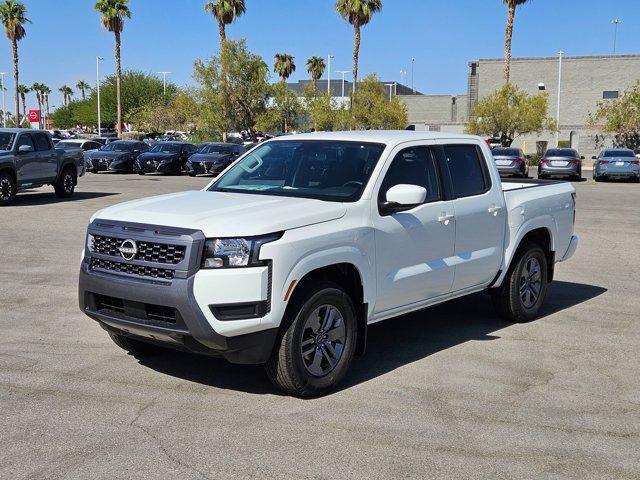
x,y
445,219
493,210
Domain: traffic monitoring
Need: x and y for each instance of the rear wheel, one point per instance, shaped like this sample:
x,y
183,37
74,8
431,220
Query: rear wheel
x,y
7,189
66,183
135,347
524,288
317,343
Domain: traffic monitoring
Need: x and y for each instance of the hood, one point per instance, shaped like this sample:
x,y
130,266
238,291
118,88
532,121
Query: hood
x,y
157,156
109,155
209,157
222,214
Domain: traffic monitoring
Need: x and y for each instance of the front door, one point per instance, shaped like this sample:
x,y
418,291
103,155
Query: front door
x,y
413,247
26,161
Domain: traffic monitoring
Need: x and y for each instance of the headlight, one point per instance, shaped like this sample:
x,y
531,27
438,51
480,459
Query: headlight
x,y
90,241
234,252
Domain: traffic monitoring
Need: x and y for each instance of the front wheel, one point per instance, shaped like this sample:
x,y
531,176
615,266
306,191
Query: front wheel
x,y
317,343
66,184
524,288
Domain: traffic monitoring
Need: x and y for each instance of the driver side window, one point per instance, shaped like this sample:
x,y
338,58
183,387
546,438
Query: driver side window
x,y
25,139
413,166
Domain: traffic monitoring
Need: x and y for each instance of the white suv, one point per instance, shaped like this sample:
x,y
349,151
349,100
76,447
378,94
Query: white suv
x,y
304,241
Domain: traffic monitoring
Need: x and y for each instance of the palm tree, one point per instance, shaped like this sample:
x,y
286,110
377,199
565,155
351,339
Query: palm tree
x,y
113,14
23,90
315,67
45,91
511,5
66,94
83,87
13,18
37,87
358,13
225,12
284,65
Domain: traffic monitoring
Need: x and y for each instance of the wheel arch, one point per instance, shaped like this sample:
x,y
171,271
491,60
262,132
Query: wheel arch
x,y
11,171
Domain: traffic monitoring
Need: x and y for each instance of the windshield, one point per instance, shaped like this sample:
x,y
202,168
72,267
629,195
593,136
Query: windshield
x,y
117,147
213,148
166,147
561,152
6,140
326,170
507,152
619,153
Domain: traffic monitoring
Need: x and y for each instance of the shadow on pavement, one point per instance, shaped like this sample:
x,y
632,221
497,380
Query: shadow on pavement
x,y
390,344
47,198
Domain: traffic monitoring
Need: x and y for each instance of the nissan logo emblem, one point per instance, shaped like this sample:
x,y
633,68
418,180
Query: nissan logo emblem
x,y
128,249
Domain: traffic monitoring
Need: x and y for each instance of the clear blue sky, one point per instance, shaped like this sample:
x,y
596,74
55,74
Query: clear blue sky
x,y
443,35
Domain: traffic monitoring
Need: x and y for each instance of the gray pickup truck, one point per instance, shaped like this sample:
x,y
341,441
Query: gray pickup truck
x,y
28,159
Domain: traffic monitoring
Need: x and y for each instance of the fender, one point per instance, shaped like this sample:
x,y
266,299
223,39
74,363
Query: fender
x,y
547,222
66,162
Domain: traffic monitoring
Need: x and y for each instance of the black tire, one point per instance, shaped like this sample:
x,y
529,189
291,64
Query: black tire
x,y
140,172
289,368
509,299
66,183
597,179
191,174
7,189
136,347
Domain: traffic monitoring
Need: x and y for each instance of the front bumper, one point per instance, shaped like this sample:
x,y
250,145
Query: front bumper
x,y
200,168
125,166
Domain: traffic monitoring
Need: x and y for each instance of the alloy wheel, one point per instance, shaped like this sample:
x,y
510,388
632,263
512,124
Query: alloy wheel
x,y
6,189
67,183
323,339
530,282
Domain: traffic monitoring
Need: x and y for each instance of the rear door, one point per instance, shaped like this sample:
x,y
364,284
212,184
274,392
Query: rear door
x,y
46,157
413,247
480,215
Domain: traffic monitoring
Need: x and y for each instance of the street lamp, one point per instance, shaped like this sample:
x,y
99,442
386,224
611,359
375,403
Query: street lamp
x,y
4,107
559,91
164,83
403,77
615,24
329,57
98,59
391,87
343,73
413,64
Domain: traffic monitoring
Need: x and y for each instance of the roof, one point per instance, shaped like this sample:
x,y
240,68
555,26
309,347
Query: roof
x,y
378,136
565,57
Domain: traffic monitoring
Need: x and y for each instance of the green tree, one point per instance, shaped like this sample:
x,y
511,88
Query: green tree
x,y
358,13
284,112
324,113
23,90
66,94
315,67
225,12
372,109
181,113
233,88
113,14
13,15
511,15
620,118
284,65
83,87
510,112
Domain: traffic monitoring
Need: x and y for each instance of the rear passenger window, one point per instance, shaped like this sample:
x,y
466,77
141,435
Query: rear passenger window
x,y
413,166
42,142
468,174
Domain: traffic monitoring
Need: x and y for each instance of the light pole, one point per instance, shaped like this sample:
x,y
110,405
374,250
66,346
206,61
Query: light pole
x,y
390,85
413,64
559,91
164,83
329,57
343,73
403,77
98,92
4,107
615,23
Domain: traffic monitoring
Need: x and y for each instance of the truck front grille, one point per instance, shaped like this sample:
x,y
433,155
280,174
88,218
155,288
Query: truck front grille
x,y
141,270
147,251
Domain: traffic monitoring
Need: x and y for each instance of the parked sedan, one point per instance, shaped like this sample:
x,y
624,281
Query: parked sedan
x,y
117,156
84,144
561,162
511,161
616,163
165,157
212,158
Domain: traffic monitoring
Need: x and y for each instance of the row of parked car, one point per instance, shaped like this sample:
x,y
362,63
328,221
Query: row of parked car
x,y
612,163
169,157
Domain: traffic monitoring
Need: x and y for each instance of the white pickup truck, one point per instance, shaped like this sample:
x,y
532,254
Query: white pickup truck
x,y
304,241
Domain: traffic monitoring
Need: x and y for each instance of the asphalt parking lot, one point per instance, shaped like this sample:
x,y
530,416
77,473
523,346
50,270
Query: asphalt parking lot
x,y
447,392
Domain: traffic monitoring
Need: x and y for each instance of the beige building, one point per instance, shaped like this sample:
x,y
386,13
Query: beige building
x,y
586,81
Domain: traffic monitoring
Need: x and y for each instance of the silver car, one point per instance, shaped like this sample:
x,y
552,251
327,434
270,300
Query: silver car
x,y
510,161
561,162
616,163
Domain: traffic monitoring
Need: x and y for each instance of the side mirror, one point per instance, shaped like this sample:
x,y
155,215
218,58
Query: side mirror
x,y
403,197
25,149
